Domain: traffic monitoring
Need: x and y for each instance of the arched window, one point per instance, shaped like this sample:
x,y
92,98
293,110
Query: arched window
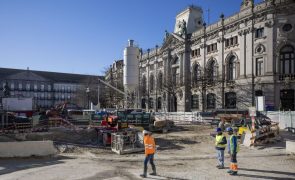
x,y
175,72
287,60
195,102
160,81
143,103
196,74
151,103
159,103
152,82
212,71
143,85
211,101
230,100
231,68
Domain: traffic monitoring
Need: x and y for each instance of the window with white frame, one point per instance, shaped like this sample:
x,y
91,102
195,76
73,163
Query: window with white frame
x,y
42,87
11,85
231,68
259,66
259,33
20,86
28,86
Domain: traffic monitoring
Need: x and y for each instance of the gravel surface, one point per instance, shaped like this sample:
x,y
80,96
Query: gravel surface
x,y
187,153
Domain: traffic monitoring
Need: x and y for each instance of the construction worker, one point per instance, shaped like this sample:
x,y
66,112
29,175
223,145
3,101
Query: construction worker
x,y
150,149
221,124
233,149
220,145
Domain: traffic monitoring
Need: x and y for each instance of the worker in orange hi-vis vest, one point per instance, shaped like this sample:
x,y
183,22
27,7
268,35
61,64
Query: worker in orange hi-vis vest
x,y
150,149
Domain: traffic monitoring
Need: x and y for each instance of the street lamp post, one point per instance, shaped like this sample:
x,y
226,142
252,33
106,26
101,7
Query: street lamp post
x,y
87,92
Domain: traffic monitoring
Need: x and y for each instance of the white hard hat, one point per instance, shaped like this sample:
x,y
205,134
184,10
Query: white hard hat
x,y
145,132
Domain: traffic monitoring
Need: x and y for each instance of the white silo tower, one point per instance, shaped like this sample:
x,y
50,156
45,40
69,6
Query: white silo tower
x,y
131,73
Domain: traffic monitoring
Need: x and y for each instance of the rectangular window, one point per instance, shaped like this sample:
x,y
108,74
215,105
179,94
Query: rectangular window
x,y
226,42
208,49
28,87
49,87
198,52
259,33
195,101
11,85
35,87
259,67
231,41
235,40
42,87
20,86
211,47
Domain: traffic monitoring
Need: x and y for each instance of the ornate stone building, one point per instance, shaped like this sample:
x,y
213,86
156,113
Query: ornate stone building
x,y
114,76
224,65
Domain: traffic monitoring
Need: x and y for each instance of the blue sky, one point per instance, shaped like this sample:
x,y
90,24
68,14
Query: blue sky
x,y
86,36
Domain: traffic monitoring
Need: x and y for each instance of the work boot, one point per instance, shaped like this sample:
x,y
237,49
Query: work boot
x,y
233,173
143,175
220,167
154,173
230,171
144,172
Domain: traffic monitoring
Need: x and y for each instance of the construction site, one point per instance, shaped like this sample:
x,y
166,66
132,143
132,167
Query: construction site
x,y
70,142
109,145
212,101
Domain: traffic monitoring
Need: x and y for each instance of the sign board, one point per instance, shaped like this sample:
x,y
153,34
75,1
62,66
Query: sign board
x,y
252,111
17,104
260,103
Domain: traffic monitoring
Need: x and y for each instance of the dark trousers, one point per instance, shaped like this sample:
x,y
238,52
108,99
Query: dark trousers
x,y
234,162
233,158
149,158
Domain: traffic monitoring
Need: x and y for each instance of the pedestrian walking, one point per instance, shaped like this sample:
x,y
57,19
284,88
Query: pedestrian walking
x,y
150,149
233,149
220,144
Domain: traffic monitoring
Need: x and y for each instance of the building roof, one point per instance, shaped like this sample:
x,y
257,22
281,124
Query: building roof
x,y
52,76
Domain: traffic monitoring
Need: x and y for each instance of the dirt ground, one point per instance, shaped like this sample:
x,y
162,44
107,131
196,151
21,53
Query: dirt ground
x,y
186,153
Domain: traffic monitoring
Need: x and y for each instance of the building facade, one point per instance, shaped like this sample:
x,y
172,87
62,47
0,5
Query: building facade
x,y
47,88
224,65
114,77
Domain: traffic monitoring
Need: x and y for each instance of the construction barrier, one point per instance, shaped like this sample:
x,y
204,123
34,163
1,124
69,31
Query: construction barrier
x,y
26,149
186,117
286,119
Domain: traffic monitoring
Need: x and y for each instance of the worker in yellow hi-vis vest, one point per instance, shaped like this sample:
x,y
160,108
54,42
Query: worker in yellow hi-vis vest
x,y
150,149
220,144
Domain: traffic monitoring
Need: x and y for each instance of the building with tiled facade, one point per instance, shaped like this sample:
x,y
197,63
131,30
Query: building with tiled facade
x,y
46,88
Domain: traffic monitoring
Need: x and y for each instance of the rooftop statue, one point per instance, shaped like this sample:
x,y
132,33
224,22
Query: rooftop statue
x,y
166,35
182,26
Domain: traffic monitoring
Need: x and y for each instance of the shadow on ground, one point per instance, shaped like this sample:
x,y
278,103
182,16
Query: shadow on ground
x,y
265,174
9,165
173,144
